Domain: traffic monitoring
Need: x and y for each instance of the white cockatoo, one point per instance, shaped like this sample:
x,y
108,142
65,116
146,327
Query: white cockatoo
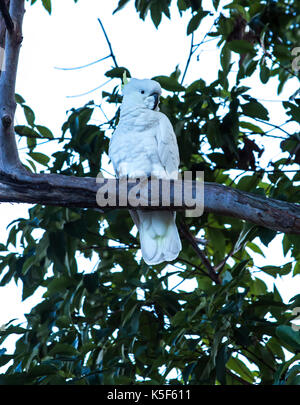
x,y
144,144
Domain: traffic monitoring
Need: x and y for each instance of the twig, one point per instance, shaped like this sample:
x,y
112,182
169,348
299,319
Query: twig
x,y
108,43
190,237
90,91
219,267
273,125
193,265
189,59
193,49
6,16
84,66
264,134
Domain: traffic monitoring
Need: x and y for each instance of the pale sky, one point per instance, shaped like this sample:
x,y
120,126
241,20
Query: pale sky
x,y
72,37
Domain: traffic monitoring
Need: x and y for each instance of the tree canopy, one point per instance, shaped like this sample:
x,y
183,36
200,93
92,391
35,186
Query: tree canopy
x,y
119,321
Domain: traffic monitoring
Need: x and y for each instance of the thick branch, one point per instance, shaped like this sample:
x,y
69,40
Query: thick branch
x,y
18,185
6,16
70,191
9,158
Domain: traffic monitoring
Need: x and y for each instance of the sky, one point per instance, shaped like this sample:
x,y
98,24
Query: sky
x,y
72,37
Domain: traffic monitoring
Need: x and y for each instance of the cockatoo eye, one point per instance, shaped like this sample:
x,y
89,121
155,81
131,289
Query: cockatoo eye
x,y
142,91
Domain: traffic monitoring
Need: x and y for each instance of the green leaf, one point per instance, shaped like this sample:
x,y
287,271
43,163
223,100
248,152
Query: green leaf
x,y
47,5
251,127
296,269
40,158
182,5
289,336
29,114
44,131
118,72
264,73
195,21
225,58
63,349
121,4
221,360
241,46
257,287
277,270
266,235
294,110
169,83
216,238
23,130
91,281
236,365
156,13
256,110
19,99
255,248
43,369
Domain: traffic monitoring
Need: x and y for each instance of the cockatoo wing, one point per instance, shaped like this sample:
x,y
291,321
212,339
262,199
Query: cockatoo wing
x,y
167,147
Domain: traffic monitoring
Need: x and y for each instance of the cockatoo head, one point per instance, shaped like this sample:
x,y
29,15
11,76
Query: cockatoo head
x,y
144,93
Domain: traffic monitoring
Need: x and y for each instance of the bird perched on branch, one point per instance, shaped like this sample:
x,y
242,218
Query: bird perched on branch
x,y
144,145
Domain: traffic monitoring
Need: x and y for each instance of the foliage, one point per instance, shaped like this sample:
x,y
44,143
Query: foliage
x,y
123,322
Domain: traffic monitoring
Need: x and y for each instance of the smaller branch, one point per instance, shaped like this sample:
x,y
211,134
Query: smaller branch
x,y
90,91
6,16
84,66
193,265
189,59
190,237
273,125
219,267
108,43
193,49
264,134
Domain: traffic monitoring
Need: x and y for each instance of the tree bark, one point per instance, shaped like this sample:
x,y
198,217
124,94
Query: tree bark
x,y
19,185
69,191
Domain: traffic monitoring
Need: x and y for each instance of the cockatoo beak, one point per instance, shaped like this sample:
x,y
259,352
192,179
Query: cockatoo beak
x,y
156,100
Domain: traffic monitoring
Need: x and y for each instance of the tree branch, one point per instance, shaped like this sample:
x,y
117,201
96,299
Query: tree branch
x,y
21,186
6,16
108,43
190,237
71,191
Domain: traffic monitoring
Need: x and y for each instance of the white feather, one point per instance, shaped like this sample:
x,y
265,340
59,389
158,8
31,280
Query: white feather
x,y
144,143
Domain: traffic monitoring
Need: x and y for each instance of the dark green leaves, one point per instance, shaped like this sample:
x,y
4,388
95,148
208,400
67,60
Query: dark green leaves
x,y
289,336
118,72
255,109
47,5
241,47
195,21
105,317
121,4
40,158
169,83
